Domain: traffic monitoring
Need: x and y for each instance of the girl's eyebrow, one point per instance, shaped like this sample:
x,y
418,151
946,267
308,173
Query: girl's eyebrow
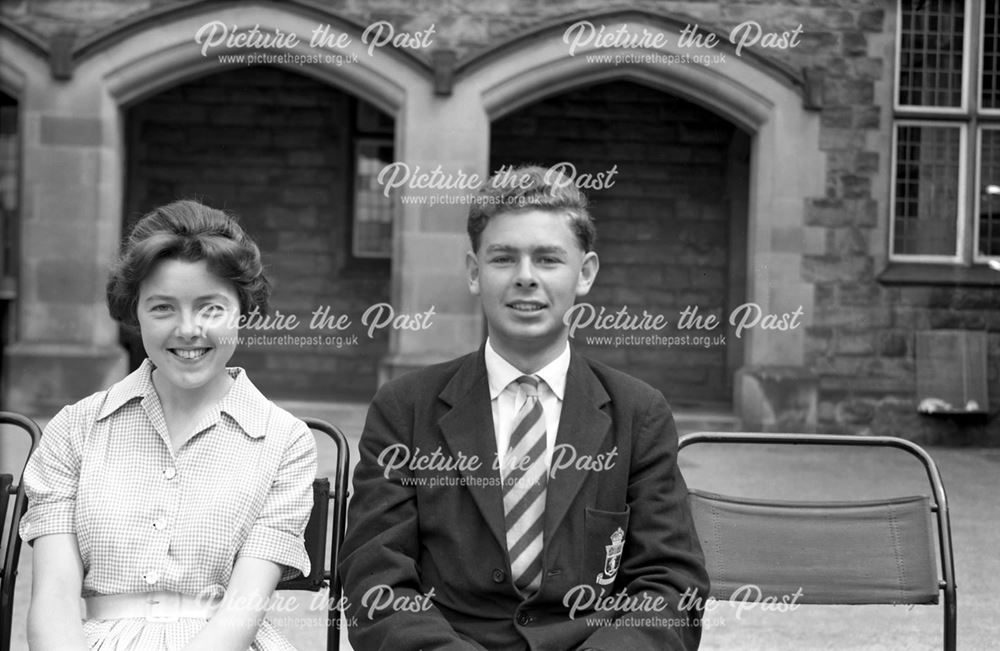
x,y
207,297
158,297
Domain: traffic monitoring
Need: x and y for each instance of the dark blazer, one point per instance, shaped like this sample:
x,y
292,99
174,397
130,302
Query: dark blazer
x,y
425,561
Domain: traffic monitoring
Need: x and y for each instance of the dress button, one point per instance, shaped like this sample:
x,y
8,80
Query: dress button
x,y
169,473
160,524
151,577
499,576
523,619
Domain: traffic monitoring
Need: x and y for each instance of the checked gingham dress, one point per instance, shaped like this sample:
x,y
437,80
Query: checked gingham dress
x,y
150,518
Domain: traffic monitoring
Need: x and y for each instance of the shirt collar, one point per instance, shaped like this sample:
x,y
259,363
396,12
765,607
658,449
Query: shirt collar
x,y
137,384
501,373
244,403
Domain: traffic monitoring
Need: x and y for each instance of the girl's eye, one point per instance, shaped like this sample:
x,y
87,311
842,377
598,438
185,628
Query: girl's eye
x,y
161,307
212,311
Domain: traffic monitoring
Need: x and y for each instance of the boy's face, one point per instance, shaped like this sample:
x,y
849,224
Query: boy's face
x,y
528,272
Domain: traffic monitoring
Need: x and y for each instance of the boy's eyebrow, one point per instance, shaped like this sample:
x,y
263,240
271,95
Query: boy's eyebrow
x,y
503,248
549,249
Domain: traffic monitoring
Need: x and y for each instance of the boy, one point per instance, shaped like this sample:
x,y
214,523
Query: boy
x,y
522,496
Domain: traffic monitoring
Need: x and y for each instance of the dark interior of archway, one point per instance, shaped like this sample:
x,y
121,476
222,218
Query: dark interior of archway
x,y
9,160
671,229
9,217
278,149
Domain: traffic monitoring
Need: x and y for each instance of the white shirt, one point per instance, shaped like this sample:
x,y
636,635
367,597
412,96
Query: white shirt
x,y
506,399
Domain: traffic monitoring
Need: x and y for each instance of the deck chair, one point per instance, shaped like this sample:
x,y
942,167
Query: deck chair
x,y
12,506
883,551
324,534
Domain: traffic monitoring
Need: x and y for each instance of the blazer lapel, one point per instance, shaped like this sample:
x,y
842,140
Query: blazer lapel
x,y
583,427
468,430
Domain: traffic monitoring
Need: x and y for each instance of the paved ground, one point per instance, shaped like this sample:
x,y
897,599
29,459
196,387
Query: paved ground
x,y
971,475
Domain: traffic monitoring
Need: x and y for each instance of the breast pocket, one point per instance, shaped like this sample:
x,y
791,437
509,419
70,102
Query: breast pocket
x,y
604,545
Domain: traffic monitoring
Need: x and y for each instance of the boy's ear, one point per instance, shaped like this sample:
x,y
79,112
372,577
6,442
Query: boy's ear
x,y
588,273
472,272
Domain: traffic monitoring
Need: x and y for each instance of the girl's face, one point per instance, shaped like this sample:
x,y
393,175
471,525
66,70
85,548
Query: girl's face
x,y
188,317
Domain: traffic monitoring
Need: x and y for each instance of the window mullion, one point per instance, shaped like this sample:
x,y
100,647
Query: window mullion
x,y
970,182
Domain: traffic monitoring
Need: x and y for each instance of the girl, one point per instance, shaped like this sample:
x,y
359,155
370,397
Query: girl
x,y
175,500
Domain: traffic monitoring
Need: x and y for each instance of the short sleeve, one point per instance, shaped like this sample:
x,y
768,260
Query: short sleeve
x,y
277,533
51,478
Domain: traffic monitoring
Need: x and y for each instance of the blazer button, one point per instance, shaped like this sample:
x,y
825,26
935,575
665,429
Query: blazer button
x,y
499,576
523,619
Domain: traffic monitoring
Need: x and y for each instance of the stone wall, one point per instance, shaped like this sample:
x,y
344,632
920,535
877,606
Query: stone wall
x,y
860,357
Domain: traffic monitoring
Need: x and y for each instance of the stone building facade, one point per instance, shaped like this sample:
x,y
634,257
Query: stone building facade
x,y
828,181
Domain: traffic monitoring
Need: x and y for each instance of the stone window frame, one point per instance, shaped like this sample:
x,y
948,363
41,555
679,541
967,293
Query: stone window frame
x,y
371,127
970,120
358,250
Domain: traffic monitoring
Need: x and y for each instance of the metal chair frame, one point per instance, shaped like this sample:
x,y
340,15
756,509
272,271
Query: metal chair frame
x,y
939,505
10,537
323,536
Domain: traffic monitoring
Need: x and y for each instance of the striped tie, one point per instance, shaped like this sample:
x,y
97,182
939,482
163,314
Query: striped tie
x,y
524,489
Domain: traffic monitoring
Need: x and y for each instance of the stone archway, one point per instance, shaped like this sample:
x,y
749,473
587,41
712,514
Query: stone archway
x,y
757,95
76,156
671,222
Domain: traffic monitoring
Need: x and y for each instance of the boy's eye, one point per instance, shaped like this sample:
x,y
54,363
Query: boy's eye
x,y
502,259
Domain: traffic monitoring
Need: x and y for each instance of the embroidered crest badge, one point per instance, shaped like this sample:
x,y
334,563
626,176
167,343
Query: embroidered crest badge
x,y
612,558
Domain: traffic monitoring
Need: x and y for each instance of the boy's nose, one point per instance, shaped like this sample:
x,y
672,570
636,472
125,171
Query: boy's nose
x,y
525,274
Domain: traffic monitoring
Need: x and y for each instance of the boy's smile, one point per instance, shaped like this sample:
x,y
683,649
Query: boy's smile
x,y
528,272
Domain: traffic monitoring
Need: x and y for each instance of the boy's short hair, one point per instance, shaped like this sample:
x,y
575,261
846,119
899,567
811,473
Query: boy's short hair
x,y
531,188
190,231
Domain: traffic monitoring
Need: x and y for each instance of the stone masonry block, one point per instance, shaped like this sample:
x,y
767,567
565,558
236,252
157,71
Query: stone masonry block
x,y
854,43
854,343
71,131
871,20
855,187
895,344
867,117
68,280
818,269
827,212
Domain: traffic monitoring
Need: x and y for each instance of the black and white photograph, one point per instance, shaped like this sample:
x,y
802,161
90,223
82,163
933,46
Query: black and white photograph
x,y
499,325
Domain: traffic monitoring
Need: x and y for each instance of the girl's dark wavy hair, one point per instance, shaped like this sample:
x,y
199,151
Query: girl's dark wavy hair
x,y
190,231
